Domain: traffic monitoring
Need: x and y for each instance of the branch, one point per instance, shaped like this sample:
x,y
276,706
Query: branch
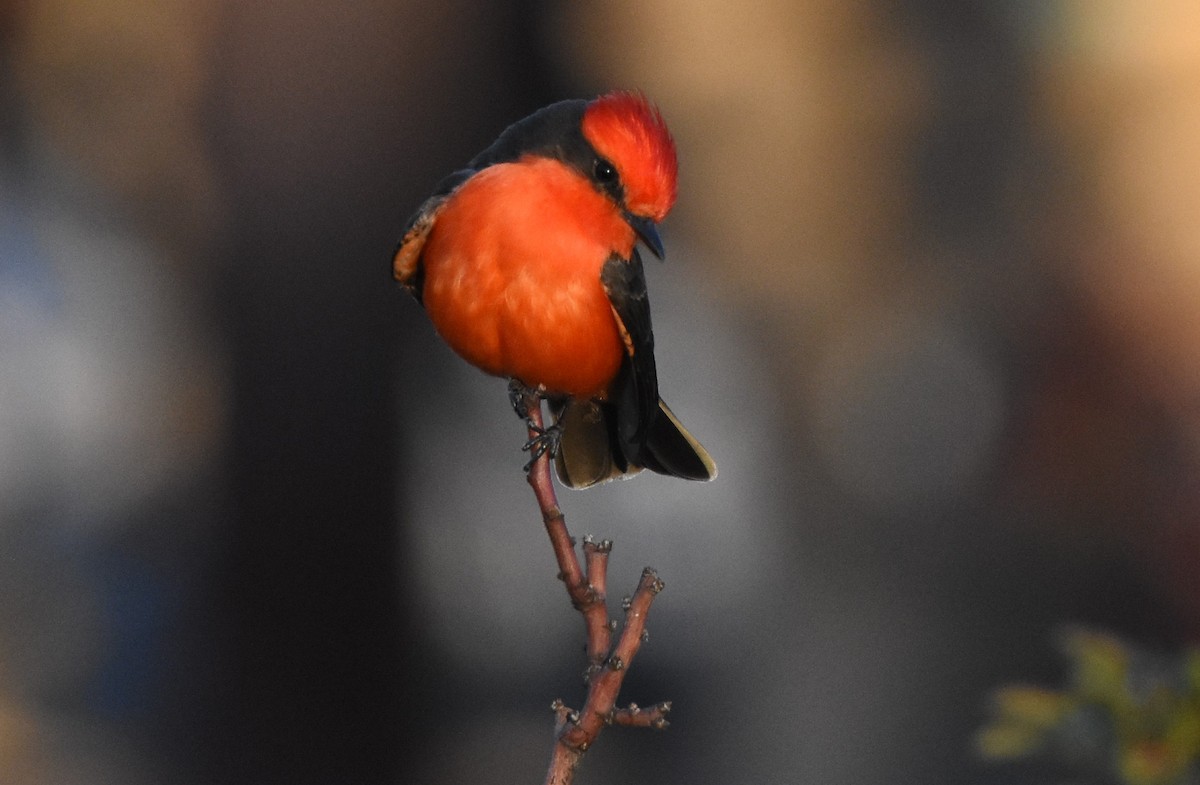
x,y
576,731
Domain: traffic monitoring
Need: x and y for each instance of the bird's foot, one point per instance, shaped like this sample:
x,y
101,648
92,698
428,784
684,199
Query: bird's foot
x,y
543,441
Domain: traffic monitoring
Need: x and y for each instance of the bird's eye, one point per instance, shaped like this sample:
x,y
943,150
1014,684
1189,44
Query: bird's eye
x,y
604,171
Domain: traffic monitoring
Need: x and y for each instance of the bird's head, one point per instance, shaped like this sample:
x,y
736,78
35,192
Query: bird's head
x,y
636,159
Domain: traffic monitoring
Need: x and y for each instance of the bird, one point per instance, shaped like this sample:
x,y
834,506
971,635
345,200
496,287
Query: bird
x,y
527,264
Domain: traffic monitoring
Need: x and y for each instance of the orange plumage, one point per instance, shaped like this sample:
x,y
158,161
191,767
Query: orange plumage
x,y
512,277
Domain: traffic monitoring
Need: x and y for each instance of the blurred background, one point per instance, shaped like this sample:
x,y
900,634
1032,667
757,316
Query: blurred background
x,y
931,299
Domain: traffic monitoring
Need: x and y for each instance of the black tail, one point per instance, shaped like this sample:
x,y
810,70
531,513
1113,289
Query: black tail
x,y
670,449
590,452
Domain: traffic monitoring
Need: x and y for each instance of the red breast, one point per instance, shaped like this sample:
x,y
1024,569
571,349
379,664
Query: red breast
x,y
512,276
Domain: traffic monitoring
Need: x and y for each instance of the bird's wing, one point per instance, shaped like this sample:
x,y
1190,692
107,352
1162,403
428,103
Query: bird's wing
x,y
647,432
406,263
602,440
635,393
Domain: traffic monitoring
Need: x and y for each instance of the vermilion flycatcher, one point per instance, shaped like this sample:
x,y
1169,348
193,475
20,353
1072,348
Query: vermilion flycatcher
x,y
527,264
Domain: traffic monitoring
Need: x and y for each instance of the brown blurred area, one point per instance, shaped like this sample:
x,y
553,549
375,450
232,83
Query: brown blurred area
x,y
931,298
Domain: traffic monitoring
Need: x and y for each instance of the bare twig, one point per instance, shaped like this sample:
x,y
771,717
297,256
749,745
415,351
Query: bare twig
x,y
599,629
636,717
576,731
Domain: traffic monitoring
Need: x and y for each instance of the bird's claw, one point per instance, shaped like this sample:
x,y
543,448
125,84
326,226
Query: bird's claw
x,y
543,441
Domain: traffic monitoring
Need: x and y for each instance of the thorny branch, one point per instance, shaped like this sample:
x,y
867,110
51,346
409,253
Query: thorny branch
x,y
576,731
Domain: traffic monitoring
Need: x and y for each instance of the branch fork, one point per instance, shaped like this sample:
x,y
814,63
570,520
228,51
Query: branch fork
x,y
587,586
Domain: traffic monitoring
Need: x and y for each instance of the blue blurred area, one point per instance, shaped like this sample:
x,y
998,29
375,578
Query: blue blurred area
x,y
929,302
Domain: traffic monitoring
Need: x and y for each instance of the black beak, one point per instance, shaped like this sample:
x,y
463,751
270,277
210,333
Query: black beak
x,y
648,233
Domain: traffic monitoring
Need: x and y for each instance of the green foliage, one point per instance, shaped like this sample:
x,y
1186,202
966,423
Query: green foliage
x,y
1125,716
